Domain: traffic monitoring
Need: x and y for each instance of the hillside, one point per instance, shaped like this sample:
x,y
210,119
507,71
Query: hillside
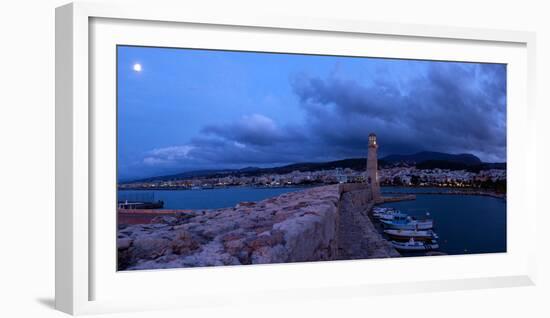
x,y
422,160
419,157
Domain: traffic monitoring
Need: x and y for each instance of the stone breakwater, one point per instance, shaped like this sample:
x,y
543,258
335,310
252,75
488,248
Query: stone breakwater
x,y
293,227
358,237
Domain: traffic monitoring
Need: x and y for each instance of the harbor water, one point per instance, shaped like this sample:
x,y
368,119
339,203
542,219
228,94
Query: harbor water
x,y
211,198
466,224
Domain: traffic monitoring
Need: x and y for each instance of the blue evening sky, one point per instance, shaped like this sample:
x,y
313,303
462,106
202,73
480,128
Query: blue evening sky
x,y
201,109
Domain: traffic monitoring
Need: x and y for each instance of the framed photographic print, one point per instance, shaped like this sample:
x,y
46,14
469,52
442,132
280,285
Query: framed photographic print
x,y
235,155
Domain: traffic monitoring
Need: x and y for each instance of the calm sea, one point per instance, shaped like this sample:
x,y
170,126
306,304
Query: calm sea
x,y
210,198
465,223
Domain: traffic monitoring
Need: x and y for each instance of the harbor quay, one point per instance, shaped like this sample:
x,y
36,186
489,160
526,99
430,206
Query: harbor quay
x,y
316,224
448,192
145,216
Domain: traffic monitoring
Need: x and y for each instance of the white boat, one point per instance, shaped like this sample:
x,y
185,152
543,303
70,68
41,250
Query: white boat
x,y
390,215
413,245
378,209
408,223
422,235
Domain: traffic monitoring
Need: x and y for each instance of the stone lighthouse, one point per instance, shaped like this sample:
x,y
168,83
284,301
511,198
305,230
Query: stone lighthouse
x,y
372,168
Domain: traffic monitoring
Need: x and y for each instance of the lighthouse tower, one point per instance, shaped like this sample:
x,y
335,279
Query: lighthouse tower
x,y
372,168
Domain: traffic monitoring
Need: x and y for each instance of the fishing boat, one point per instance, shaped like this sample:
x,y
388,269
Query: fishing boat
x,y
389,215
415,246
378,209
406,235
408,223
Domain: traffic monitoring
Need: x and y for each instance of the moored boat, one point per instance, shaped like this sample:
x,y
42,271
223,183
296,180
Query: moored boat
x,y
422,235
415,246
388,214
140,205
382,210
408,223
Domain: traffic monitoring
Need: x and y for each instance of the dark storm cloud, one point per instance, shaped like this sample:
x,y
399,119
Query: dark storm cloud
x,y
251,140
450,107
254,129
447,107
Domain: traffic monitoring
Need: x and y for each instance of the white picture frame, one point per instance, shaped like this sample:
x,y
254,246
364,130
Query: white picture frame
x,y
77,165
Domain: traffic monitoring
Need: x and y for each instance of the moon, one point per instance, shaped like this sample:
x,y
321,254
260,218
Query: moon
x,y
137,67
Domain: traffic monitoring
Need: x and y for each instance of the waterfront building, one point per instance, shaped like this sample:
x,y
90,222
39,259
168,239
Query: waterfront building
x,y
341,176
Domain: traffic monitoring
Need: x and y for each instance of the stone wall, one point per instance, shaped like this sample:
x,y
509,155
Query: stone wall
x,y
293,227
358,237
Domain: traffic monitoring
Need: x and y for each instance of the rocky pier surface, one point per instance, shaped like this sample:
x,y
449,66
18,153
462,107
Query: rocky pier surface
x,y
358,237
316,224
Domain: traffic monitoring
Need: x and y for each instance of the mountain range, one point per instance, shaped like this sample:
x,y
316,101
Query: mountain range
x,y
422,160
466,159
